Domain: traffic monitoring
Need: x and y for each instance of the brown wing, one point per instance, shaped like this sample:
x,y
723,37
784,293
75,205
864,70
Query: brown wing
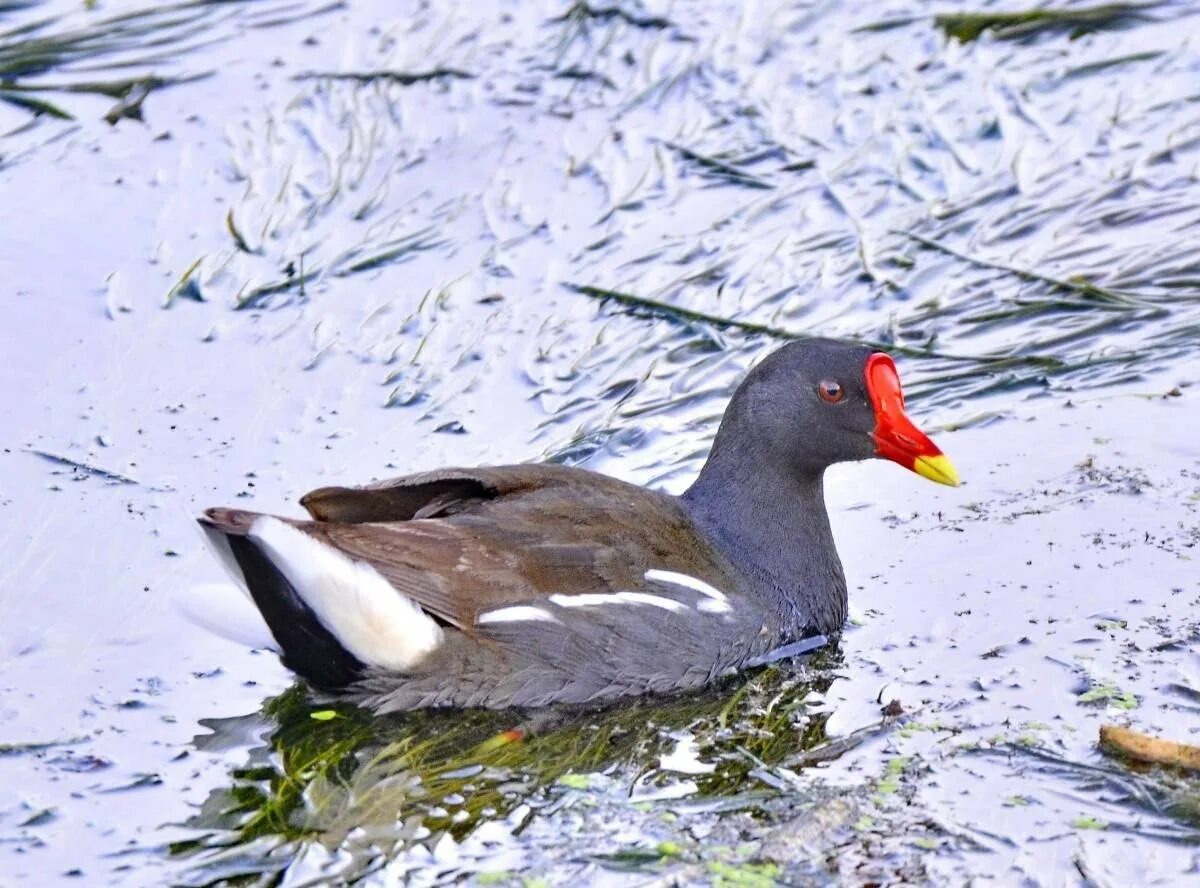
x,y
562,532
434,494
464,541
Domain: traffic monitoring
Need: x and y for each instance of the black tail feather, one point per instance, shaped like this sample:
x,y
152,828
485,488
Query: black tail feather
x,y
309,649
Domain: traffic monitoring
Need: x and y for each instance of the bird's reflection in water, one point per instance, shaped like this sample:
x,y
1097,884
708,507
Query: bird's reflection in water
x,y
368,788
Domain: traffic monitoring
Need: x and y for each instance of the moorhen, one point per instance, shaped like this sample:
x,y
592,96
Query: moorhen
x,y
534,584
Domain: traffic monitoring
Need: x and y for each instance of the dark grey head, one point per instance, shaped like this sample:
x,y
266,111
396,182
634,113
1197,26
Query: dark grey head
x,y
816,402
806,407
760,497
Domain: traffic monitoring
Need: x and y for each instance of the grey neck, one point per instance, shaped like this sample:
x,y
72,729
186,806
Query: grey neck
x,y
774,528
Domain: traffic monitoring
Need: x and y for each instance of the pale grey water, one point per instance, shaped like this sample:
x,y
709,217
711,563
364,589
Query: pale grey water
x,y
437,224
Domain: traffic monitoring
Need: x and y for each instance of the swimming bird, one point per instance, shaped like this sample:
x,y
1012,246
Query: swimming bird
x,y
533,584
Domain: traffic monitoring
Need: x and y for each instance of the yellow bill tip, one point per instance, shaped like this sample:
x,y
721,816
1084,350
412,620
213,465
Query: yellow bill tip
x,y
937,468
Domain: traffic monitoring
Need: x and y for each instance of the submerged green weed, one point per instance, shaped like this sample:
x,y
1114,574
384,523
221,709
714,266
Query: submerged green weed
x,y
329,772
968,26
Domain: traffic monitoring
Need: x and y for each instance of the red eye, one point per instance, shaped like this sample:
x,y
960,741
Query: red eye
x,y
830,390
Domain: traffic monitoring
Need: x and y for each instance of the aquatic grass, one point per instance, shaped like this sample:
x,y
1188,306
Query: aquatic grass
x,y
187,286
35,49
330,778
664,87
679,313
388,253
1081,308
396,251
585,76
988,363
729,172
862,248
149,38
86,468
1077,285
259,296
1024,170
1087,70
968,26
239,240
25,747
34,106
1172,799
888,24
582,11
403,78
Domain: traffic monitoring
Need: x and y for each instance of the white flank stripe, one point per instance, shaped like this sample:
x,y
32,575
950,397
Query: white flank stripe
x,y
515,614
590,599
352,600
717,602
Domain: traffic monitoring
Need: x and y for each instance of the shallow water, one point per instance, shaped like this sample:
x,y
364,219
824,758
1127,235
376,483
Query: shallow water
x,y
282,276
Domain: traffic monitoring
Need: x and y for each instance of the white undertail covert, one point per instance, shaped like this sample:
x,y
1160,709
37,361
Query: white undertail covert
x,y
365,613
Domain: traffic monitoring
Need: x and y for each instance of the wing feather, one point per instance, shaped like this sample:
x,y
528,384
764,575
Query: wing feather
x,y
460,542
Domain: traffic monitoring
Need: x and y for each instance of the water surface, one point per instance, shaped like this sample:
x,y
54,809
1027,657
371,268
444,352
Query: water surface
x,y
251,248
